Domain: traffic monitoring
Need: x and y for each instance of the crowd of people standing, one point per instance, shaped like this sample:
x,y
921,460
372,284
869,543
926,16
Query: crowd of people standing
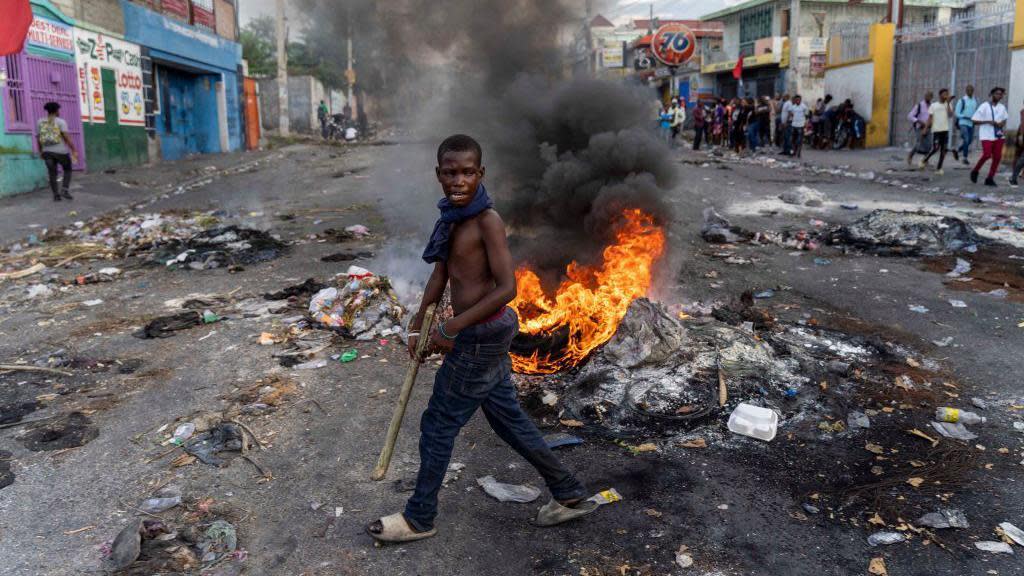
x,y
782,121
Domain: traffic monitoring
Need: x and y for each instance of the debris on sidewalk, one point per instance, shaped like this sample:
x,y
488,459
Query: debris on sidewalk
x,y
945,518
219,247
362,307
803,196
994,547
224,437
166,326
70,431
717,230
893,233
1012,532
508,492
885,538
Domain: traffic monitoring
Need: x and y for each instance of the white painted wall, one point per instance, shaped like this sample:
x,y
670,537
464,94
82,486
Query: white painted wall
x,y
855,82
1015,91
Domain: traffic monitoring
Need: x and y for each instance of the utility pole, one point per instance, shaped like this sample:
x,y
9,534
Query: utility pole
x,y
282,69
591,64
350,73
794,47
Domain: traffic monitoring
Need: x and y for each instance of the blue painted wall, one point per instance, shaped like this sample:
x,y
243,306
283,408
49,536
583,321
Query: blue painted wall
x,y
192,61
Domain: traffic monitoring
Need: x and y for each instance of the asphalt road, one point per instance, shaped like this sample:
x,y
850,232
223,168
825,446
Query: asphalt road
x,y
736,504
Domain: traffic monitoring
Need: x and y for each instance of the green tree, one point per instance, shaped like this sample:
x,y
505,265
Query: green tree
x,y
259,43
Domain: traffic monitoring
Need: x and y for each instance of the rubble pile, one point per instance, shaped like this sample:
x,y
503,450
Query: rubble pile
x,y
219,247
658,374
907,233
363,306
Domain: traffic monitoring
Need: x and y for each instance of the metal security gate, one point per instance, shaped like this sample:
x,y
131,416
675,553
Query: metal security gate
x,y
973,48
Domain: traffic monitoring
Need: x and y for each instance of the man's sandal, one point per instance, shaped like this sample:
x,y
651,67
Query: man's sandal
x,y
394,528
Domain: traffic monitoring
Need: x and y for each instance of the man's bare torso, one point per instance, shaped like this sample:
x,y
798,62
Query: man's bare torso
x,y
469,271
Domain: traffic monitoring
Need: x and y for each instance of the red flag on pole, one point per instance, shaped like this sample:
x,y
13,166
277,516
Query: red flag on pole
x,y
737,72
17,17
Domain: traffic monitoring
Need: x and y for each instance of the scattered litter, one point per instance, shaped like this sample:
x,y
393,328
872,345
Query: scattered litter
x,y
695,443
346,256
917,308
979,403
92,303
962,267
126,547
943,342
559,439
348,356
876,567
717,230
754,421
946,414
358,230
994,547
683,557
165,326
849,207
508,492
810,508
803,196
219,540
364,307
182,433
312,365
39,291
885,538
169,499
225,436
549,398
956,431
822,262
946,518
1012,532
958,304
219,247
608,496
764,294
907,233
856,420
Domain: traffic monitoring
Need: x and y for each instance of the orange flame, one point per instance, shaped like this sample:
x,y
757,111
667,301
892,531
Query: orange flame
x,y
591,301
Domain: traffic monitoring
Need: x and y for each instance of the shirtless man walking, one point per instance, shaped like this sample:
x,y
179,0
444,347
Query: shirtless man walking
x,y
469,250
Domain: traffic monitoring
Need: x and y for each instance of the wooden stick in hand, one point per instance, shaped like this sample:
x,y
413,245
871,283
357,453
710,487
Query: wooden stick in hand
x,y
403,398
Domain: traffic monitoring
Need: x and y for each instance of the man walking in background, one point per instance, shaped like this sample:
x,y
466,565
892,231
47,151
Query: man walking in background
x,y
797,121
965,108
918,117
56,148
938,122
698,124
321,115
990,118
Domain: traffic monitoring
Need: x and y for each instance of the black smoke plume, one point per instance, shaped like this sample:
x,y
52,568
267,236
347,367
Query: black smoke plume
x,y
565,156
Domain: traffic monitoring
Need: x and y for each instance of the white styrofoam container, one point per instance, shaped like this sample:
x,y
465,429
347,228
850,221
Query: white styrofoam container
x,y
754,421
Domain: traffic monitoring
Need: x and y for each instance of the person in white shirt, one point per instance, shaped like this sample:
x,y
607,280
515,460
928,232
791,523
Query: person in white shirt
x,y
990,119
938,122
797,120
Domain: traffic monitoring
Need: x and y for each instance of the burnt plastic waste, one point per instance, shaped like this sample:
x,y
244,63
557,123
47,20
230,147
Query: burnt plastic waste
x,y
224,437
166,326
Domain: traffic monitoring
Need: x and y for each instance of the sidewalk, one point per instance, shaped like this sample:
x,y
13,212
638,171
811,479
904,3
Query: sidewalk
x,y
894,158
101,192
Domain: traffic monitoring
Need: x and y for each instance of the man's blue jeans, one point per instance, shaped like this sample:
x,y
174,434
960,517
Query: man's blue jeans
x,y
966,135
478,374
753,133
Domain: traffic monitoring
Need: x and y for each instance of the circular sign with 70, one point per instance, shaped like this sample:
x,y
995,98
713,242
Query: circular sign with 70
x,y
674,44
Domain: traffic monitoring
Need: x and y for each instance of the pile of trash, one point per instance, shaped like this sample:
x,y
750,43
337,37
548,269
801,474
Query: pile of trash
x,y
659,374
133,233
219,247
718,230
363,306
895,233
803,196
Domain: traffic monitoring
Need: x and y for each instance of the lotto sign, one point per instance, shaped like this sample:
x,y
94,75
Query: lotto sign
x,y
94,52
674,44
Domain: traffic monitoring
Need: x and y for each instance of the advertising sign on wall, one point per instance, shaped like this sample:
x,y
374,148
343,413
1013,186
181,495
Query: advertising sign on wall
x,y
50,34
94,52
611,55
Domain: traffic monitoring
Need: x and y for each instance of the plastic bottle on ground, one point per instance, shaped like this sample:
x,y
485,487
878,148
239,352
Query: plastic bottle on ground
x,y
945,414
